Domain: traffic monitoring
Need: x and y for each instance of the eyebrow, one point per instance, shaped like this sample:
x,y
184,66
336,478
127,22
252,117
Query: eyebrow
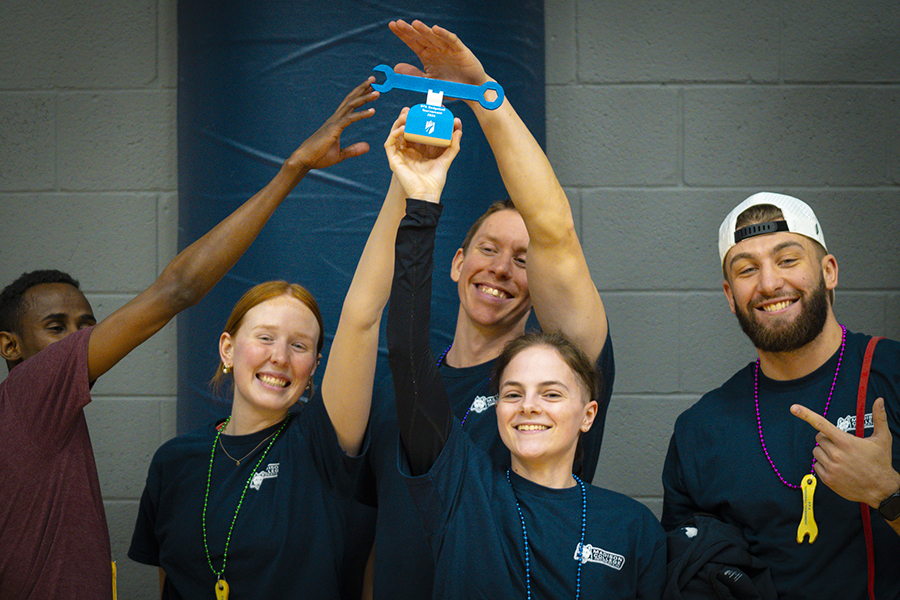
x,y
495,240
775,250
551,382
64,316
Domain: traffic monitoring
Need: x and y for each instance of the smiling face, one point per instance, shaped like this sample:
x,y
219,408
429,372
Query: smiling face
x,y
490,273
542,410
777,285
52,312
272,355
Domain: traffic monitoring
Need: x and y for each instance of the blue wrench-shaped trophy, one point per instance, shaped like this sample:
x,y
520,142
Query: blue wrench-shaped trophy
x,y
432,123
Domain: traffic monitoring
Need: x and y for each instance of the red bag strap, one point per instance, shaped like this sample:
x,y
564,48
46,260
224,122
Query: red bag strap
x,y
860,425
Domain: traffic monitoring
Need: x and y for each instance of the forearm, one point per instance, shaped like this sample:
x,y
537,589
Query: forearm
x,y
559,279
423,410
527,174
350,372
188,277
202,264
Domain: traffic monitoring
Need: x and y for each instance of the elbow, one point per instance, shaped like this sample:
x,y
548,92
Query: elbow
x,y
178,291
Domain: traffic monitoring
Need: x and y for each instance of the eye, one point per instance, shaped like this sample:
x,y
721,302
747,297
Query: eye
x,y
510,396
552,395
520,261
56,328
487,250
299,347
788,261
265,337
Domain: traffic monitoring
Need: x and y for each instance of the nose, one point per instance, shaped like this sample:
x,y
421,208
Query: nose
x,y
530,404
501,265
770,279
279,354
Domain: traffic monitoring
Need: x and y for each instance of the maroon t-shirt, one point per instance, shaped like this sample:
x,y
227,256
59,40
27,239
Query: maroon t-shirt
x,y
54,541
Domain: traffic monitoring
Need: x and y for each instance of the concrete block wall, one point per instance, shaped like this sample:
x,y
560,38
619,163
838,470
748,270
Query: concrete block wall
x,y
661,116
88,185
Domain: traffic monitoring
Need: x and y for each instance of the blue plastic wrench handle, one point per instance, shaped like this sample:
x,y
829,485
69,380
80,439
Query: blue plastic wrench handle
x,y
452,89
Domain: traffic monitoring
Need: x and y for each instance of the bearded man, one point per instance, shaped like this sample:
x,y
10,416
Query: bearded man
x,y
742,454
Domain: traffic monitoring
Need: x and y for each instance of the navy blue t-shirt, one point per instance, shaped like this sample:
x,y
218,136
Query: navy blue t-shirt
x,y
716,465
289,535
404,567
469,510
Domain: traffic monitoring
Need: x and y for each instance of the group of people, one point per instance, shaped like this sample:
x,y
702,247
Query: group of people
x,y
478,460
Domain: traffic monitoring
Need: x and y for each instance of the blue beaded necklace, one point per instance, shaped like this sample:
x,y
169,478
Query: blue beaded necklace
x,y
579,555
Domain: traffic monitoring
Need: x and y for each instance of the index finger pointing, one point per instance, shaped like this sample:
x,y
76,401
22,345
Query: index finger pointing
x,y
819,422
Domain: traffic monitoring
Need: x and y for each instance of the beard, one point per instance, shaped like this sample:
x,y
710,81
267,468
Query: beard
x,y
788,336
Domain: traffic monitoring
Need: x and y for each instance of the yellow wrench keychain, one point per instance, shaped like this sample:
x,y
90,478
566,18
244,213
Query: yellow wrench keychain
x,y
808,522
221,590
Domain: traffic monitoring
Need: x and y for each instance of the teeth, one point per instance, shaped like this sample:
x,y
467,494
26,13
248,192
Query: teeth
x,y
269,380
493,292
532,427
777,306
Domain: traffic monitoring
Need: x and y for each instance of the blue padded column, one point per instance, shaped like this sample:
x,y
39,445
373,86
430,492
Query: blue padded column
x,y
257,78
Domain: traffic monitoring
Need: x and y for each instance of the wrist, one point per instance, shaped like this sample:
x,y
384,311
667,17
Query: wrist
x,y
295,167
885,493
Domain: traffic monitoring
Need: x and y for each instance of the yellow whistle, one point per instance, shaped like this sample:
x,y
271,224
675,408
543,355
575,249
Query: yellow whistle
x,y
808,522
221,590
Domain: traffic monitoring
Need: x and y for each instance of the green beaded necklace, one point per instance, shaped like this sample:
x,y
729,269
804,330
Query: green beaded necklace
x,y
221,585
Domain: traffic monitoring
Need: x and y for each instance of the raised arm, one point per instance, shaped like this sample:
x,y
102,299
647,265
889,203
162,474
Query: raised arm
x,y
419,172
559,281
202,264
423,410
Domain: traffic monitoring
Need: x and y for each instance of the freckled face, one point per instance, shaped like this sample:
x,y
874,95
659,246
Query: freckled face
x,y
490,274
54,311
542,408
273,355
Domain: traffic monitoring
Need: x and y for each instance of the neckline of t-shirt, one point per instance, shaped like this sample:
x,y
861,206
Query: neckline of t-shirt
x,y
825,371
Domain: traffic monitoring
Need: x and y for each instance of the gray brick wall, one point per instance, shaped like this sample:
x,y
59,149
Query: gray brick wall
x,y
660,117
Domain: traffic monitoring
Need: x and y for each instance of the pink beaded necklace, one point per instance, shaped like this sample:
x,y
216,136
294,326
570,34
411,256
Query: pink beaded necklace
x,y
824,412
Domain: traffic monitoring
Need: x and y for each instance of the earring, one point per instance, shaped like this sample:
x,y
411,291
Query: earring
x,y
226,369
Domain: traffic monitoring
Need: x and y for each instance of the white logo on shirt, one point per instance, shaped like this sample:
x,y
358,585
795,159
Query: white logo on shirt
x,y
600,556
270,472
482,403
848,424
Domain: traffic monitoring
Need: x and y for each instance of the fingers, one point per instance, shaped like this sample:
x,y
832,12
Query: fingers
x,y
453,149
407,35
819,422
357,149
408,69
879,419
358,96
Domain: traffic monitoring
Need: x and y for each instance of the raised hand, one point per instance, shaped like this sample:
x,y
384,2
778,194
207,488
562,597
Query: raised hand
x,y
443,55
323,148
421,169
857,469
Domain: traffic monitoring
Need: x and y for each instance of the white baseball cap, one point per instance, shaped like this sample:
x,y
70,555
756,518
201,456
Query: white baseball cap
x,y
798,218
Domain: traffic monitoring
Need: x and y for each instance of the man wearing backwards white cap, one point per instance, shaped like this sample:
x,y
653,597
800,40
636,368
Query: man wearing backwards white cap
x,y
740,455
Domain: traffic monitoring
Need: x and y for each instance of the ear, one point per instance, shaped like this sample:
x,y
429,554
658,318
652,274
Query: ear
x,y
456,264
830,271
10,346
315,366
226,349
726,287
590,413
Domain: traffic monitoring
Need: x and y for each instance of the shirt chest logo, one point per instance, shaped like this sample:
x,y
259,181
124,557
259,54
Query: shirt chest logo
x,y
482,403
848,424
270,472
600,556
